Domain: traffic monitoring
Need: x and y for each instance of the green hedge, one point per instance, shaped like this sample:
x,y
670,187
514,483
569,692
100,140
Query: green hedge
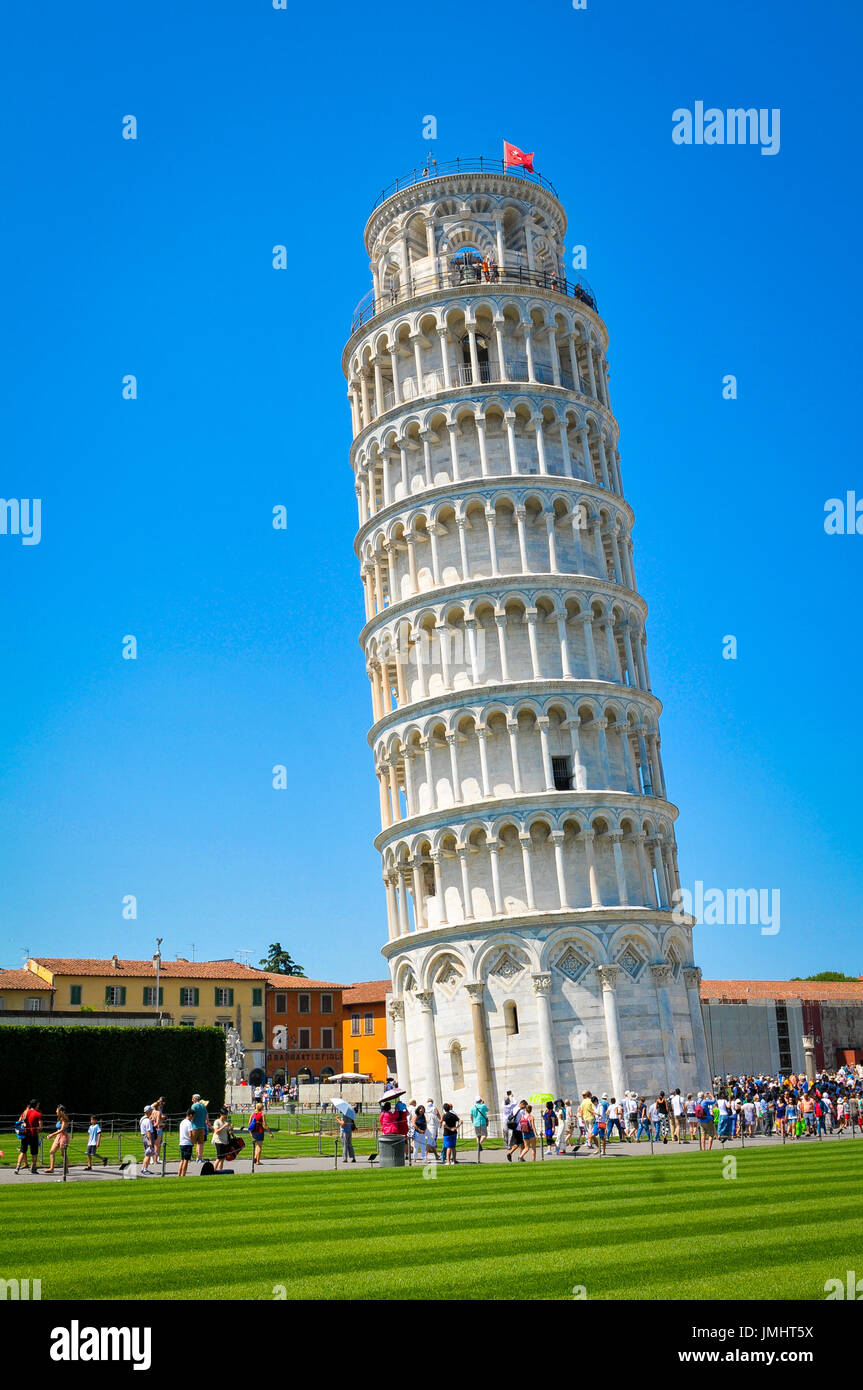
x,y
109,1070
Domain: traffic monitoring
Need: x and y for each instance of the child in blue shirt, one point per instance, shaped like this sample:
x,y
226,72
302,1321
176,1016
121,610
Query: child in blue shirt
x,y
94,1138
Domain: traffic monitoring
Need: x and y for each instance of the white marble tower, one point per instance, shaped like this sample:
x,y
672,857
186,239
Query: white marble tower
x,y
526,836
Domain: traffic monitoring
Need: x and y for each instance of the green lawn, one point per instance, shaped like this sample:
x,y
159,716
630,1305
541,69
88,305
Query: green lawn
x,y
648,1228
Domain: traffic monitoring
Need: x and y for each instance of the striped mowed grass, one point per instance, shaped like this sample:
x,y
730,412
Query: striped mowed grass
x,y
668,1227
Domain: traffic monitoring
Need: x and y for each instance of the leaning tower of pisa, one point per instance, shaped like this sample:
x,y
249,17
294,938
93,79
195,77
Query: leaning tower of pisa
x,y
527,840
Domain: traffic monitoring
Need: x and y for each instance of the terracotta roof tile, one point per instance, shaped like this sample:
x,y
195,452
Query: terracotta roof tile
x,y
823,992
285,982
21,979
129,969
367,992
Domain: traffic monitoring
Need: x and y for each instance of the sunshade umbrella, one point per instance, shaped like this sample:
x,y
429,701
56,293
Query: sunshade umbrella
x,y
350,1076
347,1110
541,1097
393,1094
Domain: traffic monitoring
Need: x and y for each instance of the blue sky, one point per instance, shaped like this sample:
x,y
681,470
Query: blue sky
x,y
153,257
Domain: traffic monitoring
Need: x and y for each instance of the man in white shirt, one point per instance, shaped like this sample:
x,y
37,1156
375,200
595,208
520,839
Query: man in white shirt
x,y
676,1115
630,1113
433,1123
147,1139
186,1144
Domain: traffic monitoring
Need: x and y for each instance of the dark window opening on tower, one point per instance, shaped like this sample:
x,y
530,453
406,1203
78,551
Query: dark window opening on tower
x,y
561,770
510,1018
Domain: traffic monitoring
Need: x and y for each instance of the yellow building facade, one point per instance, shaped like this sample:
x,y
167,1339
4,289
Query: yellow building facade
x,y
191,994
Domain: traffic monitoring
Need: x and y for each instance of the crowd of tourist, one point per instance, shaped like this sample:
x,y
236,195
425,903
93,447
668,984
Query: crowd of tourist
x,y
790,1107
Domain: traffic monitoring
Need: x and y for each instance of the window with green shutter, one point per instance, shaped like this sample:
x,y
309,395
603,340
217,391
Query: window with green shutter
x,y
189,998
150,996
257,1032
257,998
115,994
75,994
224,998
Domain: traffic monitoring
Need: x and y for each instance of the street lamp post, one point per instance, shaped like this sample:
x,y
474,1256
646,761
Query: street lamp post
x,y
159,941
809,1054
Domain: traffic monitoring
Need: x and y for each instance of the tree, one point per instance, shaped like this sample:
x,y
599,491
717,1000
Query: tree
x,y
279,962
827,976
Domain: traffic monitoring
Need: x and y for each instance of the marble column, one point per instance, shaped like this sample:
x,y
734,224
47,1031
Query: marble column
x,y
432,1071
396,1009
547,1050
704,1070
609,975
662,978
484,1085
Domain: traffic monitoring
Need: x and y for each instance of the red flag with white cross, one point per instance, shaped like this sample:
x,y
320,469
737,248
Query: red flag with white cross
x,y
512,155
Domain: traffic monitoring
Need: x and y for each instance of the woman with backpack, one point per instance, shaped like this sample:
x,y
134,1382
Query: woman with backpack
x,y
514,1128
27,1130
258,1127
528,1133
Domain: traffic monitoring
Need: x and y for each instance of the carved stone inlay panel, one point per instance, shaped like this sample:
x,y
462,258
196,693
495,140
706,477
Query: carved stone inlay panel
x,y
571,964
507,966
631,962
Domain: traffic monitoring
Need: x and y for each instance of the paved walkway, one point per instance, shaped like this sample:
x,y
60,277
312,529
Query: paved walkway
x,y
467,1157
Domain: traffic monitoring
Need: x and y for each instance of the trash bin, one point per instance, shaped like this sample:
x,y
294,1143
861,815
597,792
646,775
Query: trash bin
x,y
391,1150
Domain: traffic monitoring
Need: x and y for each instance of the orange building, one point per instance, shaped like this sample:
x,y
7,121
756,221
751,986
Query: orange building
x,y
364,1029
304,1028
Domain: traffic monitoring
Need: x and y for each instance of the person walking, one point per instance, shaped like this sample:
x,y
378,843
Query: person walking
x,y
157,1115
479,1120
201,1125
145,1125
691,1121
27,1129
419,1133
549,1124
258,1127
94,1139
600,1123
222,1134
677,1114
630,1114
347,1125
564,1127
450,1126
586,1118
60,1142
662,1112
433,1122
514,1130
507,1108
528,1133
186,1143
704,1116
613,1118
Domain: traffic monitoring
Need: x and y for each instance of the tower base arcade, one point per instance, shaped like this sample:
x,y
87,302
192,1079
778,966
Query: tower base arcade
x,y
552,1005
